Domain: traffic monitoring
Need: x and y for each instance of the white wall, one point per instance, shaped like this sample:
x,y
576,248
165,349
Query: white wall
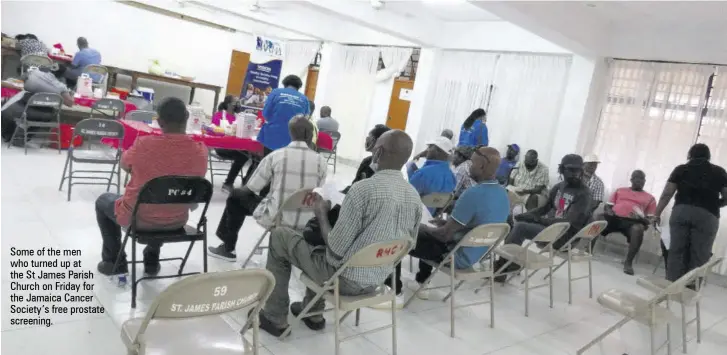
x,y
497,36
129,37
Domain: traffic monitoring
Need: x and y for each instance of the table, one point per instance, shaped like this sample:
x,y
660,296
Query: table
x,y
80,101
6,50
135,75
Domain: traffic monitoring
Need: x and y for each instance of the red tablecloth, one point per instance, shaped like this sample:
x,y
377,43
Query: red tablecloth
x,y
61,58
133,129
82,101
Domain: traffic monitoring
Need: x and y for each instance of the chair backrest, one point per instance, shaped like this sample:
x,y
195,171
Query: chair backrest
x,y
33,60
300,200
335,136
436,200
166,190
98,128
211,294
551,233
380,254
116,106
45,100
486,235
587,233
705,269
96,69
141,116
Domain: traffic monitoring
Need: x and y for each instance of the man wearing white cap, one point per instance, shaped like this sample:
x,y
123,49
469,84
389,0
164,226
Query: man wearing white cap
x,y
436,175
594,183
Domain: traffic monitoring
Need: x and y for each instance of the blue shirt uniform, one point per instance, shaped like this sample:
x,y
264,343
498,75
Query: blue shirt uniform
x,y
434,177
483,203
84,57
503,171
280,106
476,135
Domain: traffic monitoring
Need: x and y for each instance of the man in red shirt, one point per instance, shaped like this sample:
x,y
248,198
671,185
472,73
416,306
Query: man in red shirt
x,y
172,153
630,211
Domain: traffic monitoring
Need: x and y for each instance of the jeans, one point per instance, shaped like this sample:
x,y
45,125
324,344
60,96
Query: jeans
x,y
111,232
427,248
239,158
693,230
288,249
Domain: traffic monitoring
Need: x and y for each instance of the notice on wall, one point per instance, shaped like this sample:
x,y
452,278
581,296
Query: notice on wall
x,y
263,73
47,284
405,94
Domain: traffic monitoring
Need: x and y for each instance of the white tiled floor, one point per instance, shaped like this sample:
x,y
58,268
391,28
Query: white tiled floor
x,y
36,214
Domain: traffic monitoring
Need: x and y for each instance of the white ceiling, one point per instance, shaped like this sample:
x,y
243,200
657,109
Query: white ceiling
x,y
442,10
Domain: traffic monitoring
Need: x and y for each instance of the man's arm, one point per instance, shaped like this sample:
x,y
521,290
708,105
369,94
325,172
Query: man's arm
x,y
128,159
669,190
68,99
578,212
542,210
411,168
418,182
348,226
262,176
443,233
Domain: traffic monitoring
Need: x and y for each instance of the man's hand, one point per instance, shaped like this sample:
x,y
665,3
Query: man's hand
x,y
321,207
526,217
656,220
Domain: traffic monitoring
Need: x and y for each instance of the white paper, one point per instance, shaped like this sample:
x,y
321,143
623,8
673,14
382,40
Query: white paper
x,y
329,191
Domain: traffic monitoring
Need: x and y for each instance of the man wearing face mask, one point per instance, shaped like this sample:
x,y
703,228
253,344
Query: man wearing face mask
x,y
568,201
529,180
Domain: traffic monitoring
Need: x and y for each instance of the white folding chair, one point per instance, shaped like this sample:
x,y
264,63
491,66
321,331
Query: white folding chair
x,y
583,252
485,236
435,200
645,311
185,318
300,200
687,298
34,60
100,71
384,254
531,260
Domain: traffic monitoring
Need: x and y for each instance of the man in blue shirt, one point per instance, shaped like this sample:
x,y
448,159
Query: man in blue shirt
x,y
85,56
436,175
508,163
281,105
483,203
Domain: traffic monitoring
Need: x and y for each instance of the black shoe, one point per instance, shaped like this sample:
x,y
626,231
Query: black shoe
x,y
221,252
268,326
498,264
297,307
107,268
628,269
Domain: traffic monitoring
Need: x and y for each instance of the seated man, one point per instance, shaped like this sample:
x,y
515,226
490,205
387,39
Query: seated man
x,y
529,181
594,183
326,123
629,211
462,163
568,201
435,175
172,153
84,57
483,203
446,133
282,173
381,208
507,163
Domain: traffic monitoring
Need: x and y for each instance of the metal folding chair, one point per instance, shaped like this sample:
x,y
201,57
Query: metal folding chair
x,y
300,200
688,297
384,254
583,252
531,260
333,153
437,201
219,166
485,236
49,104
645,311
194,306
34,60
101,70
109,108
92,130
168,190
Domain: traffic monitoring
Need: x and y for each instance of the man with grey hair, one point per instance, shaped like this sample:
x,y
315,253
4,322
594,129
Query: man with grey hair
x,y
326,123
279,175
85,56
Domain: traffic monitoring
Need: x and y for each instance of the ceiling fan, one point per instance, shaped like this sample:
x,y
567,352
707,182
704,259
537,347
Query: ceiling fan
x,y
256,6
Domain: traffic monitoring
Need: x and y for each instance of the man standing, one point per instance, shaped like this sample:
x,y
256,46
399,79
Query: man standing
x,y
507,163
85,56
593,182
280,107
568,201
280,174
486,202
381,208
530,180
629,211
435,175
326,123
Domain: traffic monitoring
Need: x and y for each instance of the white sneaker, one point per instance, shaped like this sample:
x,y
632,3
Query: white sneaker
x,y
414,286
387,305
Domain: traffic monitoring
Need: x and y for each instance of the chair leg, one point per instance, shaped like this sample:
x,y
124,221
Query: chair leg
x,y
684,328
70,179
58,137
212,171
393,325
255,332
12,137
699,323
411,261
63,176
550,284
118,178
204,253
570,282
590,279
652,340
257,245
603,335
527,291
111,177
25,140
451,294
358,316
459,284
336,315
133,273
492,302
186,256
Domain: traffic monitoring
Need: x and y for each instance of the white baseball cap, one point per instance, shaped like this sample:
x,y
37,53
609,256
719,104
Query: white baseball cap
x,y
591,158
442,143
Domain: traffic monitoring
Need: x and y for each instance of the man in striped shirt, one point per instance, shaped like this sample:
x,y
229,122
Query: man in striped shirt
x,y
381,208
279,175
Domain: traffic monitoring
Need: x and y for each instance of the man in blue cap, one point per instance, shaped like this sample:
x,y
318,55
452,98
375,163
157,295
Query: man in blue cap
x,y
507,163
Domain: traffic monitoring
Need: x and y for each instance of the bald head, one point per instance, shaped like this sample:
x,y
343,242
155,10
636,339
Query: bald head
x,y
392,150
301,129
325,111
485,161
82,42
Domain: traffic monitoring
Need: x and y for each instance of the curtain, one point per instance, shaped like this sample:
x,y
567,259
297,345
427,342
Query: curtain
x,y
349,88
526,101
460,85
713,132
297,56
395,60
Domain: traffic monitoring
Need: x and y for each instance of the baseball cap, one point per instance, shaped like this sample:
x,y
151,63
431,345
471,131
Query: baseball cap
x,y
572,161
514,147
591,158
442,143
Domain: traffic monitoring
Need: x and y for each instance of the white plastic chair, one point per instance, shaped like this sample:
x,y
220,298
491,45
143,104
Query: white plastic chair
x,y
487,235
687,298
645,311
385,254
185,318
300,200
531,260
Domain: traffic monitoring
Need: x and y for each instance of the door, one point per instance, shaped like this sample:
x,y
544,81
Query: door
x,y
238,69
399,107
311,83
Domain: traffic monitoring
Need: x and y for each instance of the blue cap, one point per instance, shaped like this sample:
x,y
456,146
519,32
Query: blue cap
x,y
514,147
